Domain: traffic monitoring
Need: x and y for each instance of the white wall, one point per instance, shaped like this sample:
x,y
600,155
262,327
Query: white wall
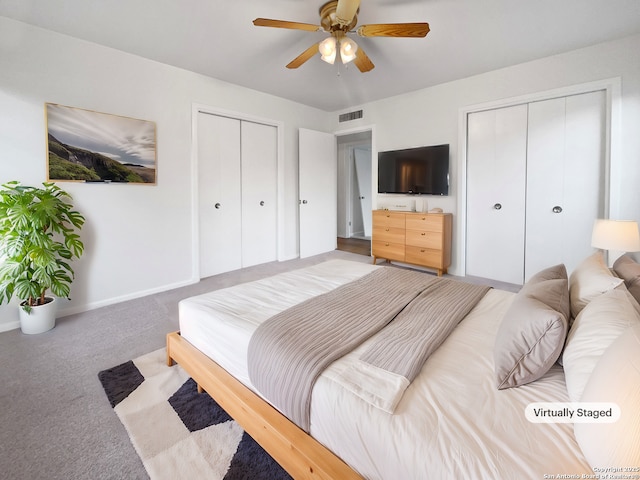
x,y
138,239
431,117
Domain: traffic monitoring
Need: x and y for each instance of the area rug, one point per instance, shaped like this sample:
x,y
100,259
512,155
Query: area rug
x,y
177,432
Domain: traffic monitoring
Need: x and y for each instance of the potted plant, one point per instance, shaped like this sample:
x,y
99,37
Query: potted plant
x,y
38,240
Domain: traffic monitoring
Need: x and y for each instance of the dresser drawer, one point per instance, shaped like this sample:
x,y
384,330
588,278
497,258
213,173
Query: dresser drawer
x,y
388,250
419,238
424,256
385,218
430,223
389,234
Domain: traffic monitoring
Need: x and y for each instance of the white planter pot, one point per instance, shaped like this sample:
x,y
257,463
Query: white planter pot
x,y
41,318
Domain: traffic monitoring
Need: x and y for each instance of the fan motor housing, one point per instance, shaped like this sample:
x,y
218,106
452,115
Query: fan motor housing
x,y
328,18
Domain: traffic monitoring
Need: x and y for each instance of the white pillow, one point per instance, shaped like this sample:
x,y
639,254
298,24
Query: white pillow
x,y
615,379
597,326
590,279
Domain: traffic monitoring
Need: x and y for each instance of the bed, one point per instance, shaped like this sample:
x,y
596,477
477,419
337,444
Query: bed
x,y
464,413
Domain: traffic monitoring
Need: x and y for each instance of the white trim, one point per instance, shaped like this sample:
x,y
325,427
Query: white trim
x,y
64,312
195,208
613,132
6,326
374,155
123,298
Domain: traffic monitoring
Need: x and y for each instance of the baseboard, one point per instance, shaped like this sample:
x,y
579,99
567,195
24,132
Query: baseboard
x,y
124,298
5,327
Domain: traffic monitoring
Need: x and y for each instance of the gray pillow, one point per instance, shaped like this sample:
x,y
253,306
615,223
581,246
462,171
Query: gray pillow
x,y
551,273
629,270
532,333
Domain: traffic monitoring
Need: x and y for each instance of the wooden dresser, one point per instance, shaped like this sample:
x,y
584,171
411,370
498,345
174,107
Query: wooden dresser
x,y
417,238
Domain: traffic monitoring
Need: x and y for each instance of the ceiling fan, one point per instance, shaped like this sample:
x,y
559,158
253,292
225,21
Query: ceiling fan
x,y
338,18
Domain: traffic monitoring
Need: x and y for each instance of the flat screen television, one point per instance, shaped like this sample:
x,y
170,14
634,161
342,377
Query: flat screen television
x,y
420,170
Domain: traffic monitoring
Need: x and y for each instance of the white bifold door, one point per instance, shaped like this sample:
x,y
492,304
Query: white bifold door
x,y
535,185
237,185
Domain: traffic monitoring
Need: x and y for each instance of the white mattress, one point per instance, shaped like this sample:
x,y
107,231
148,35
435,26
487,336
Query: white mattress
x,y
452,421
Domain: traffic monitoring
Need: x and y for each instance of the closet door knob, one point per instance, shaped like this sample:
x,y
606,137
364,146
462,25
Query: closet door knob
x,y
262,203
557,209
497,206
217,205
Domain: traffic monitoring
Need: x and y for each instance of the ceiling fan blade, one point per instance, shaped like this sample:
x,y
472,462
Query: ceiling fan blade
x,y
394,30
362,61
346,10
267,22
304,56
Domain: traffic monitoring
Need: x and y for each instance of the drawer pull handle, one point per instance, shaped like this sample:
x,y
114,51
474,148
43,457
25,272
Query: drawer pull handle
x,y
422,250
386,244
423,234
386,229
424,218
388,215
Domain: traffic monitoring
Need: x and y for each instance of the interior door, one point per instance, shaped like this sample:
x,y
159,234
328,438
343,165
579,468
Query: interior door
x,y
565,161
219,194
496,175
259,147
317,180
362,164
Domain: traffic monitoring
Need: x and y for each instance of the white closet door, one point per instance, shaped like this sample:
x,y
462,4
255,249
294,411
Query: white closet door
x,y
219,194
564,169
496,169
259,160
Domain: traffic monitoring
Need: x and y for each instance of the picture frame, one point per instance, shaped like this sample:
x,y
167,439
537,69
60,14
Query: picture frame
x,y
88,146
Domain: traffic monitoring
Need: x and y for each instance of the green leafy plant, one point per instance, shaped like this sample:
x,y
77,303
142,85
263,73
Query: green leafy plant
x,y
38,240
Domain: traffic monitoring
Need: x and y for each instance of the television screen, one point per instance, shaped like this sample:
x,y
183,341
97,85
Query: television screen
x,y
421,170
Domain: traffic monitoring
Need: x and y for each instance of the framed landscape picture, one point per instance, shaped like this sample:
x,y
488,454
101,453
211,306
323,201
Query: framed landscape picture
x,y
83,145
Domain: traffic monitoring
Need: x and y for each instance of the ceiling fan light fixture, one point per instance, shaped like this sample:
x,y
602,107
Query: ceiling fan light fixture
x,y
327,46
329,58
327,49
348,49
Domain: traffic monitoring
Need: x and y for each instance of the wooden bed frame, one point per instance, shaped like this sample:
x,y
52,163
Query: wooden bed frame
x,y
296,451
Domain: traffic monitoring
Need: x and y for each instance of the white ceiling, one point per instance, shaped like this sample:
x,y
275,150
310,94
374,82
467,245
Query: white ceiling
x,y
217,38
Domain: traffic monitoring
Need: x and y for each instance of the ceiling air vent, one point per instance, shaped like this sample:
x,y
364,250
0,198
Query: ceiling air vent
x,y
346,117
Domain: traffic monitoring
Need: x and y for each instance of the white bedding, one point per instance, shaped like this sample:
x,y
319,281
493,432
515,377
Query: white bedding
x,y
452,421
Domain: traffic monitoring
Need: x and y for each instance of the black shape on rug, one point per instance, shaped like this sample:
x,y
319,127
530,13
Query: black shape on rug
x,y
251,462
119,382
197,411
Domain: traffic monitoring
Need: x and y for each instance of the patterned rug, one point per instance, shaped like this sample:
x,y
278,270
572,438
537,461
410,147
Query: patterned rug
x,y
177,432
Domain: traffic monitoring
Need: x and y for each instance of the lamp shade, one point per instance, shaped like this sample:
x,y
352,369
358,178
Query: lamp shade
x,y
327,49
619,235
348,49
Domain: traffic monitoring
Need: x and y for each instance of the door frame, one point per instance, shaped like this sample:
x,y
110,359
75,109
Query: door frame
x,y
374,155
613,147
347,149
195,207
